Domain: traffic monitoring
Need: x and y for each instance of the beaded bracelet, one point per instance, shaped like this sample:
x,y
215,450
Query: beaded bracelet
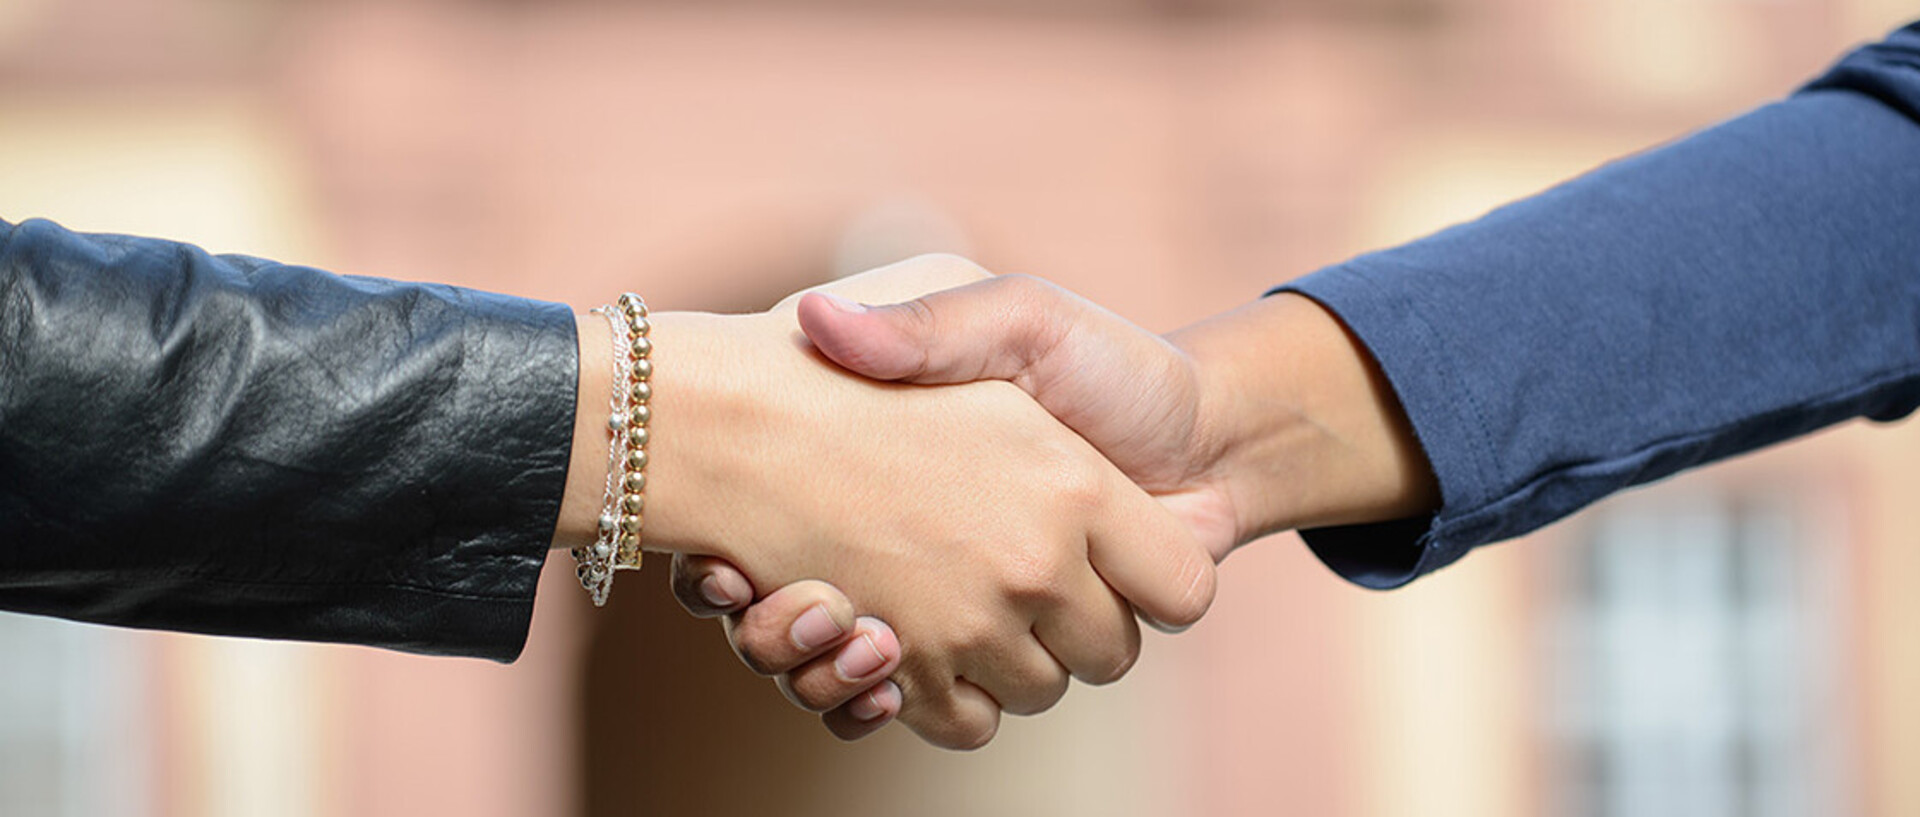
x,y
617,545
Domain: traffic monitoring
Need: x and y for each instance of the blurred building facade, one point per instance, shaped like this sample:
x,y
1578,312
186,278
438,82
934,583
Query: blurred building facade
x,y
1732,642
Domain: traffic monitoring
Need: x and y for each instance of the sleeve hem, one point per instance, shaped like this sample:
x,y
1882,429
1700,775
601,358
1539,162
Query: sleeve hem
x,y
1447,422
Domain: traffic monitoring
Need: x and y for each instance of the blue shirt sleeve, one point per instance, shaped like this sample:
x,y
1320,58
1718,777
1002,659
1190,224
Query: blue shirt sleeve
x,y
1741,286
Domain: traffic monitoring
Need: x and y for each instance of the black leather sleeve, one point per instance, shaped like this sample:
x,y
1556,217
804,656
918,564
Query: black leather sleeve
x,y
222,444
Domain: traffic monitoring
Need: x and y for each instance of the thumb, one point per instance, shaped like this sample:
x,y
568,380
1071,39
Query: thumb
x,y
994,329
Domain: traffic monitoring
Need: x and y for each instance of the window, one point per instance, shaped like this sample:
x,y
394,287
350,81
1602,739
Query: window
x,y
1695,654
71,737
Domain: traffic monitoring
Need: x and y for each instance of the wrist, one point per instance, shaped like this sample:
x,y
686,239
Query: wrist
x,y
698,389
587,462
1304,429
709,372
1251,430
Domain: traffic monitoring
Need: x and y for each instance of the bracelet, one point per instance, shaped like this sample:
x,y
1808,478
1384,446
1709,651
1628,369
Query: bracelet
x,y
617,545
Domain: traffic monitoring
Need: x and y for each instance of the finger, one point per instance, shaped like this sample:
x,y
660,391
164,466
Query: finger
x,y
867,658
1146,555
993,329
1023,677
795,624
899,281
1096,639
953,715
1090,368
866,713
709,587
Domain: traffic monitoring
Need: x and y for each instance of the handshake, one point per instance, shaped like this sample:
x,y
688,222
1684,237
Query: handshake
x,y
942,506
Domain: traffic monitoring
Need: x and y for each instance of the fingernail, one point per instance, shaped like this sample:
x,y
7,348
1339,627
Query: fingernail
x,y
843,304
859,659
866,706
716,595
875,703
815,628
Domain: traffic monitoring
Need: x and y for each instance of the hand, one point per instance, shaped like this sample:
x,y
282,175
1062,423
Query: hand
x,y
775,461
817,682
806,636
1132,394
1266,418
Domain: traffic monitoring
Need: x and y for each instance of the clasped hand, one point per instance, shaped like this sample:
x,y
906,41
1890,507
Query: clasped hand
x,y
1004,550
997,533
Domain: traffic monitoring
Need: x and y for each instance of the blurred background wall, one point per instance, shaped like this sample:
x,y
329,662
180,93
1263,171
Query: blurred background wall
x,y
1733,642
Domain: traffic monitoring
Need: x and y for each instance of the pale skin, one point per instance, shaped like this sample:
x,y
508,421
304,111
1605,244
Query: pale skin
x,y
1006,552
1266,418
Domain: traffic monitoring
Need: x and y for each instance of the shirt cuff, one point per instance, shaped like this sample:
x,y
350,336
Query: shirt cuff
x,y
1411,354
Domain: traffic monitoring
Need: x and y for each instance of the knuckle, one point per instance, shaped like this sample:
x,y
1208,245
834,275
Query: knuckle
x,y
1022,292
1024,286
1041,695
1029,297
754,661
810,593
789,689
1081,489
972,636
920,315
944,721
1036,578
812,692
1031,320
1054,692
758,649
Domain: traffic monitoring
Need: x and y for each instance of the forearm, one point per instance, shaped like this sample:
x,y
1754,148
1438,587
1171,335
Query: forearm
x,y
1302,426
697,406
1738,287
224,444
